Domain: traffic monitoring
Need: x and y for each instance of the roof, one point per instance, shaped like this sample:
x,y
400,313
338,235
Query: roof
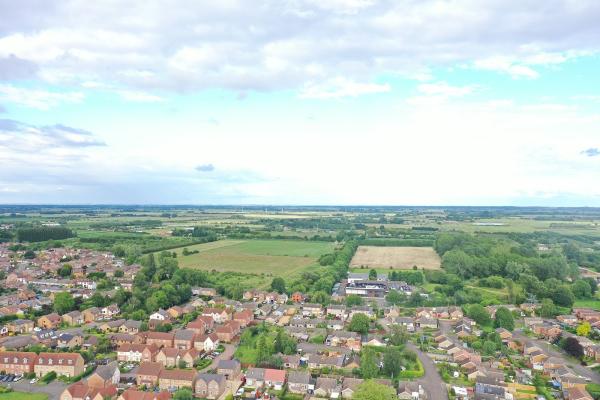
x,y
326,383
274,375
228,364
149,368
160,335
185,334
107,371
301,377
211,377
351,383
178,374
255,373
133,394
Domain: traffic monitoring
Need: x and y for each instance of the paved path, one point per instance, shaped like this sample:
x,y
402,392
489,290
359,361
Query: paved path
x,y
554,352
226,355
431,381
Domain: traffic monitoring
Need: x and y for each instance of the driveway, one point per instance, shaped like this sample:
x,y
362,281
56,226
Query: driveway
x,y
431,381
53,389
554,352
226,355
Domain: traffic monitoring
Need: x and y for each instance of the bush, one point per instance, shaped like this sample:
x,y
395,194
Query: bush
x,y
49,377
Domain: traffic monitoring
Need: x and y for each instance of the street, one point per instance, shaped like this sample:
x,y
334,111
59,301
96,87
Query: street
x,y
226,355
554,352
431,381
53,389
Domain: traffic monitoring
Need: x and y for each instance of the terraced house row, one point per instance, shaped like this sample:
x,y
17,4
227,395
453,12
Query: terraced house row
x,y
18,362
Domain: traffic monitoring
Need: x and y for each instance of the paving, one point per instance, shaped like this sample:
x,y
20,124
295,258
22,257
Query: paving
x,y
226,355
431,381
53,389
551,350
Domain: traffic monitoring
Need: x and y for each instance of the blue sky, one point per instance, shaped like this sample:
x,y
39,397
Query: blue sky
x,y
301,102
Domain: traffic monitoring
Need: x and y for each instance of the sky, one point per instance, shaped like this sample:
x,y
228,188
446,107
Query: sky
x,y
315,102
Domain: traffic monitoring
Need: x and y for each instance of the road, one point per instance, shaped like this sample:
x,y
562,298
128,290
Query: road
x,y
554,352
431,381
53,389
226,355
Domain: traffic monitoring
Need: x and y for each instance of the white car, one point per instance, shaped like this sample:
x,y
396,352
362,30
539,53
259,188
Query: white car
x,y
34,380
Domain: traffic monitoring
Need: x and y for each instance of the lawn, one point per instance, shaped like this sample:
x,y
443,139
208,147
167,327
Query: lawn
x,y
595,304
276,257
23,396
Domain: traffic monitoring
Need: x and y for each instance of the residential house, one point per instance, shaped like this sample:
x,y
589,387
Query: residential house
x,y
130,326
49,321
20,326
168,357
105,375
576,393
338,311
297,297
136,352
91,314
184,339
160,315
244,317
274,378
73,318
255,377
218,315
227,332
160,339
315,310
17,362
148,373
328,387
175,312
133,394
110,311
206,342
69,340
175,379
349,386
230,369
411,391
82,391
64,364
210,386
299,382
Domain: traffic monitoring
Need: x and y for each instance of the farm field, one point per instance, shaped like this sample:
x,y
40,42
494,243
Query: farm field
x,y
396,257
275,257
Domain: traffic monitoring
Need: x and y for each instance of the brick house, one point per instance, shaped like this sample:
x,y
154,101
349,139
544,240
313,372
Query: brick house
x,y
230,369
160,339
210,386
65,364
148,373
91,314
105,375
17,362
175,379
184,339
227,332
218,315
73,318
136,352
299,382
206,342
244,318
49,321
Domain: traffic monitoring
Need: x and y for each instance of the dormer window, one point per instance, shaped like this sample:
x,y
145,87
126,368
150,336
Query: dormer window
x,y
70,362
50,361
60,361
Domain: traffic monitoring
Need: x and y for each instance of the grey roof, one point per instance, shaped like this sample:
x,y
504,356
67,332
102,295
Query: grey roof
x,y
211,377
255,373
228,364
130,323
300,377
108,370
185,334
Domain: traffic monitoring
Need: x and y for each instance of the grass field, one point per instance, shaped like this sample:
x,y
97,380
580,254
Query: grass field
x,y
396,257
276,257
595,304
23,396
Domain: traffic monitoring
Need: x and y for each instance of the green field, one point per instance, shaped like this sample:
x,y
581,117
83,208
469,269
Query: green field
x,y
595,304
23,396
276,257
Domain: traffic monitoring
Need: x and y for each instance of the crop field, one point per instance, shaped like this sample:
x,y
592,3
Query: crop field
x,y
396,257
275,257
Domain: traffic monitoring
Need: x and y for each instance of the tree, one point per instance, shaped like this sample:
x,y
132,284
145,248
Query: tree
x,y
370,390
182,364
398,335
65,271
369,364
278,284
504,319
572,346
547,309
593,285
372,275
395,297
354,300
489,348
581,289
63,302
563,296
392,361
479,314
183,394
360,323
584,329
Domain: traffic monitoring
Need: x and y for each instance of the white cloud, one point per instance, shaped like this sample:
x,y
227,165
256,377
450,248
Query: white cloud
x,y
139,96
444,89
40,99
341,87
283,45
